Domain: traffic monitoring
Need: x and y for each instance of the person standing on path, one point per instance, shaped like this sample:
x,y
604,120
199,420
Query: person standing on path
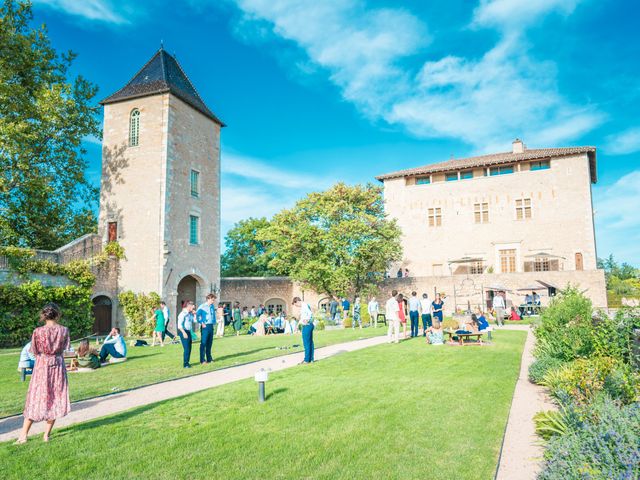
x,y
414,313
498,307
437,307
373,308
206,317
48,394
425,311
185,326
391,312
306,322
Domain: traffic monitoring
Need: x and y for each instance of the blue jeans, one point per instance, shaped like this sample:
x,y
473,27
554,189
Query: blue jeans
x,y
307,340
415,317
186,348
109,349
206,341
426,323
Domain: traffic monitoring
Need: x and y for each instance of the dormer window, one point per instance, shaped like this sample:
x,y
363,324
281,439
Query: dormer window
x,y
134,127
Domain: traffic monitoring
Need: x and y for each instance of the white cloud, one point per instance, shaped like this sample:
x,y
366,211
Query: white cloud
x,y
617,221
623,143
514,14
485,102
254,188
100,10
261,171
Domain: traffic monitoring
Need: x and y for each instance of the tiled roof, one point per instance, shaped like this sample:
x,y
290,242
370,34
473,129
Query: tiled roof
x,y
497,159
162,74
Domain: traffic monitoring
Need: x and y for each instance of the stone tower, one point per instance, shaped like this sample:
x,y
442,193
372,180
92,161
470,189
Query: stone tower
x,y
160,189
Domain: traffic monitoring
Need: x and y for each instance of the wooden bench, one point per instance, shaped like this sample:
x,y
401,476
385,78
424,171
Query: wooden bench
x,y
465,336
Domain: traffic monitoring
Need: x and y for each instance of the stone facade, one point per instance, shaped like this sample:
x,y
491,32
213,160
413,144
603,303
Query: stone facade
x,y
561,222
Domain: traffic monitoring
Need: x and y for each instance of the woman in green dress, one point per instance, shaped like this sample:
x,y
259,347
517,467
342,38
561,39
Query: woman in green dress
x,y
237,318
159,328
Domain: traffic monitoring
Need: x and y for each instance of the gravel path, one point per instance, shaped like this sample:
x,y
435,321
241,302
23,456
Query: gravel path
x,y
93,408
521,457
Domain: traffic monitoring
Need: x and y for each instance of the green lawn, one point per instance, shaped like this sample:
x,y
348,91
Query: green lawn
x,y
146,365
407,411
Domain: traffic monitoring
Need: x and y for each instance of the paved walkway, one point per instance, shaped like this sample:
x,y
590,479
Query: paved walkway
x,y
521,457
91,409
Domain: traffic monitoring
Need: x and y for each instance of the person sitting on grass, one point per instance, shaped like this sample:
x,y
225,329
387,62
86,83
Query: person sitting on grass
x,y
435,335
258,326
514,315
114,345
27,359
87,357
481,320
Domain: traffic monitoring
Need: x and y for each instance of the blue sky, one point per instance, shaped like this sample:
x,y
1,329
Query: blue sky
x,y
315,91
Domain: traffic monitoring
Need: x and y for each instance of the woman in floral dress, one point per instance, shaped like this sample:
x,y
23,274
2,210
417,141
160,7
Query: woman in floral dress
x,y
48,395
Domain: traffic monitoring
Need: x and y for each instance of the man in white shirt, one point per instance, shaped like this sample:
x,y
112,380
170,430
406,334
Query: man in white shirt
x,y
373,309
306,322
391,312
414,313
498,308
425,311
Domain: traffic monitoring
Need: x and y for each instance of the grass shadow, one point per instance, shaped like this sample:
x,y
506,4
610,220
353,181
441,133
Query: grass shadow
x,y
275,392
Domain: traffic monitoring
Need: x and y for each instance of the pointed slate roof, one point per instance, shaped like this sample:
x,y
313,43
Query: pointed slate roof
x,y
162,74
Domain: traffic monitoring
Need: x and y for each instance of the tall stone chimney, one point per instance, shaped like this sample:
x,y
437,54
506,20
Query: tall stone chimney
x,y
518,146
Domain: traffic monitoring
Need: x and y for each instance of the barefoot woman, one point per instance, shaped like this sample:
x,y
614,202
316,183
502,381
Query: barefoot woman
x,y
48,395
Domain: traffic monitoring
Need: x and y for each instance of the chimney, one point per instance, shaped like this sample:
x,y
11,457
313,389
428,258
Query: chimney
x,y
518,146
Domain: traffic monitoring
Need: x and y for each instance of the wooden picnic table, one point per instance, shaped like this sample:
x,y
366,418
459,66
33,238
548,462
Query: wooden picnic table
x,y
465,336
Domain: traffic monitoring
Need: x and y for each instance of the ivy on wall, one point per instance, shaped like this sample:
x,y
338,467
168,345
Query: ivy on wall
x,y
20,304
138,309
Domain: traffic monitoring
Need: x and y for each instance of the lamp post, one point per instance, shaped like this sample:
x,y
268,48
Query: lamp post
x,y
261,377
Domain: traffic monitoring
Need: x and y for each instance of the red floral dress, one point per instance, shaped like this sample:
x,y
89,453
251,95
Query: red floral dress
x,y
48,395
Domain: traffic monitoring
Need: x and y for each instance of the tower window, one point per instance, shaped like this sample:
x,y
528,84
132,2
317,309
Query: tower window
x,y
481,212
134,127
194,229
195,183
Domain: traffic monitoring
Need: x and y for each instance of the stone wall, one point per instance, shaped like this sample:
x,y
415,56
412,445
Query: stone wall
x,y
461,291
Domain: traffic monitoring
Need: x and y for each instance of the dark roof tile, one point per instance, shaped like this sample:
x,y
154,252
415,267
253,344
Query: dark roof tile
x,y
162,74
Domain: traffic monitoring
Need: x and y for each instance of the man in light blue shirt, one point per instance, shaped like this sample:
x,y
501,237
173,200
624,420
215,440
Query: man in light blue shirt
x,y
113,345
206,317
185,326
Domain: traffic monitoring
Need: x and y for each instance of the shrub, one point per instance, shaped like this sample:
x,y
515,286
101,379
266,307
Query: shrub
x,y
320,325
584,379
138,310
606,445
543,365
565,330
347,322
613,337
550,423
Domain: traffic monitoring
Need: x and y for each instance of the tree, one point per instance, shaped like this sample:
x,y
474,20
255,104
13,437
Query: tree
x,y
45,198
337,242
245,255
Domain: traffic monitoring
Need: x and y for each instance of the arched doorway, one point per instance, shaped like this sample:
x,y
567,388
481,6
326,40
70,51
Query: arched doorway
x,y
101,315
275,305
187,290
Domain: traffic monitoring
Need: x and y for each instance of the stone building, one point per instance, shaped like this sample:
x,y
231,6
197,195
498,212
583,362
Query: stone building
x,y
160,187
519,218
517,221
